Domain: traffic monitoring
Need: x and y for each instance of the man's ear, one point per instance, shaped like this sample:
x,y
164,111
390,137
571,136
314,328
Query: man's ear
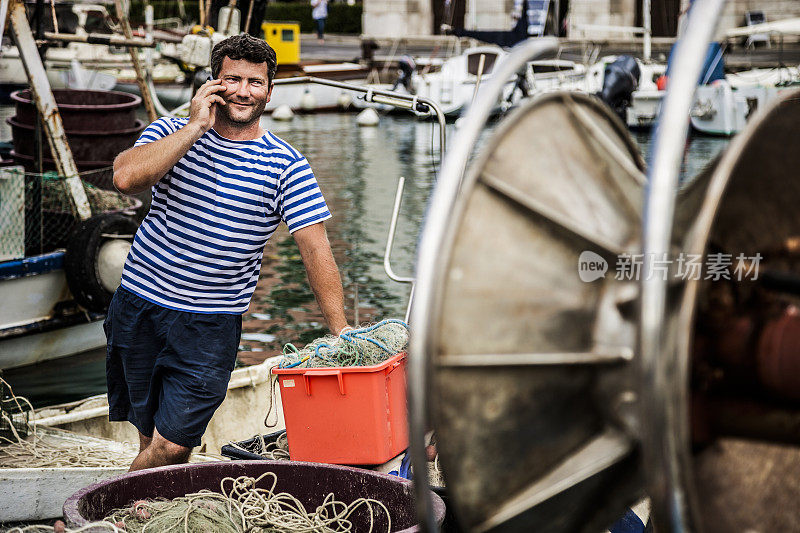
x,y
269,93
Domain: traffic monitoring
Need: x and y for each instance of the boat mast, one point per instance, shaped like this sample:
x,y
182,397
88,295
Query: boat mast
x,y
473,13
647,37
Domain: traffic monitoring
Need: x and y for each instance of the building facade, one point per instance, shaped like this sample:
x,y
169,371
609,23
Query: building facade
x,y
399,18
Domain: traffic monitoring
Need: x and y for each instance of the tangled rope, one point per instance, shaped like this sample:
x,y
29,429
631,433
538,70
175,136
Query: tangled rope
x,y
365,346
35,452
241,506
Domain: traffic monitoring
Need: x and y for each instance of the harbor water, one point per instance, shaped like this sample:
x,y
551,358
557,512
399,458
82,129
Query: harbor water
x,y
358,169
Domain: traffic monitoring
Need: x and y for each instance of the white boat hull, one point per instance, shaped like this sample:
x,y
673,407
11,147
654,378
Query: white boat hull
x,y
240,417
644,108
722,109
310,97
40,493
30,494
63,342
30,331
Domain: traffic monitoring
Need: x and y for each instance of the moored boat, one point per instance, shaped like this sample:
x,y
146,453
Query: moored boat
x,y
239,417
723,107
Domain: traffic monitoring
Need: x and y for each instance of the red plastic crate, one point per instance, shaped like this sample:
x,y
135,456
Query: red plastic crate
x,y
346,415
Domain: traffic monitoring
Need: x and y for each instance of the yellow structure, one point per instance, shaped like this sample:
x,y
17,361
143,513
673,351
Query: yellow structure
x,y
284,37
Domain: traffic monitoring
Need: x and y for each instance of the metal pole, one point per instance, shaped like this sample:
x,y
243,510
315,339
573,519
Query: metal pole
x,y
648,35
137,65
393,98
48,110
249,16
387,255
3,13
556,17
208,13
149,29
427,297
99,38
665,439
481,61
473,14
231,6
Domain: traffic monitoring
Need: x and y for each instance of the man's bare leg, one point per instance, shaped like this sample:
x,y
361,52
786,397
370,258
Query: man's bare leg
x,y
160,452
144,441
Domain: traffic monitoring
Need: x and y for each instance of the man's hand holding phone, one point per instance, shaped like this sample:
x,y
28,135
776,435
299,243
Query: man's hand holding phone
x,y
202,111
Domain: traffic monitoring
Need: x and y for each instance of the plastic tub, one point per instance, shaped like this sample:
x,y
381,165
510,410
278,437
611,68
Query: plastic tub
x,y
308,482
29,163
86,145
83,110
346,415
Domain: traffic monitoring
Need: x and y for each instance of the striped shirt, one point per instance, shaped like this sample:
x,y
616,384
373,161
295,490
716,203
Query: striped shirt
x,y
199,248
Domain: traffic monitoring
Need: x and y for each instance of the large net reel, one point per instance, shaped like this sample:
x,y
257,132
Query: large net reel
x,y
527,354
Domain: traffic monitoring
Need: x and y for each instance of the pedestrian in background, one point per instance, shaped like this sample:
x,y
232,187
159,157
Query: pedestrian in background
x,y
319,13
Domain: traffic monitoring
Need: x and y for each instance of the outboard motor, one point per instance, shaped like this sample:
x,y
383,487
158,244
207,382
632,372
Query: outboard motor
x,y
621,79
407,67
201,76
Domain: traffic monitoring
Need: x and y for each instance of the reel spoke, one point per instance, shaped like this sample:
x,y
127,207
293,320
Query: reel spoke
x,y
597,456
535,359
537,208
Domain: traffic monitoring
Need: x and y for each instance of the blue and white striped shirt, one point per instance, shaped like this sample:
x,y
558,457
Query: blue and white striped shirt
x,y
199,248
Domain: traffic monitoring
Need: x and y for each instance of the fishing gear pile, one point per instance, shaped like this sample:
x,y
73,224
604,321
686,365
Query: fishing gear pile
x,y
365,346
277,450
242,506
19,449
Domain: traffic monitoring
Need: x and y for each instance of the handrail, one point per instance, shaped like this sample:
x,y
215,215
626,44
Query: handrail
x,y
406,101
387,264
415,103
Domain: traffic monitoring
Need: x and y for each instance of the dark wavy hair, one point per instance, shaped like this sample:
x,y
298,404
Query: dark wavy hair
x,y
245,47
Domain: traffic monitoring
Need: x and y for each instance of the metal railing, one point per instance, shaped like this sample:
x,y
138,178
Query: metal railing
x,y
417,104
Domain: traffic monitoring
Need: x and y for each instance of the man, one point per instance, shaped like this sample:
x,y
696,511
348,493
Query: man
x,y
220,185
319,12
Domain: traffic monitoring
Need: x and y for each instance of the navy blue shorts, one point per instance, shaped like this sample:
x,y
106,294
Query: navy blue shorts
x,y
167,369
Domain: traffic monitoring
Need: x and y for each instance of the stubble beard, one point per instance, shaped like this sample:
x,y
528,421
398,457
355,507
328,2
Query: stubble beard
x,y
255,114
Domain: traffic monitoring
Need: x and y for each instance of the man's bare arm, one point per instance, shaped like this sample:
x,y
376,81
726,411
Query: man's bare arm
x,y
323,275
139,168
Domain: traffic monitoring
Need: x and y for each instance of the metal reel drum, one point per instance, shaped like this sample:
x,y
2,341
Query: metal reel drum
x,y
740,337
530,363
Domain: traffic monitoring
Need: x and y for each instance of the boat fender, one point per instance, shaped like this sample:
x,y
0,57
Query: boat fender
x,y
368,117
307,101
96,253
283,112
